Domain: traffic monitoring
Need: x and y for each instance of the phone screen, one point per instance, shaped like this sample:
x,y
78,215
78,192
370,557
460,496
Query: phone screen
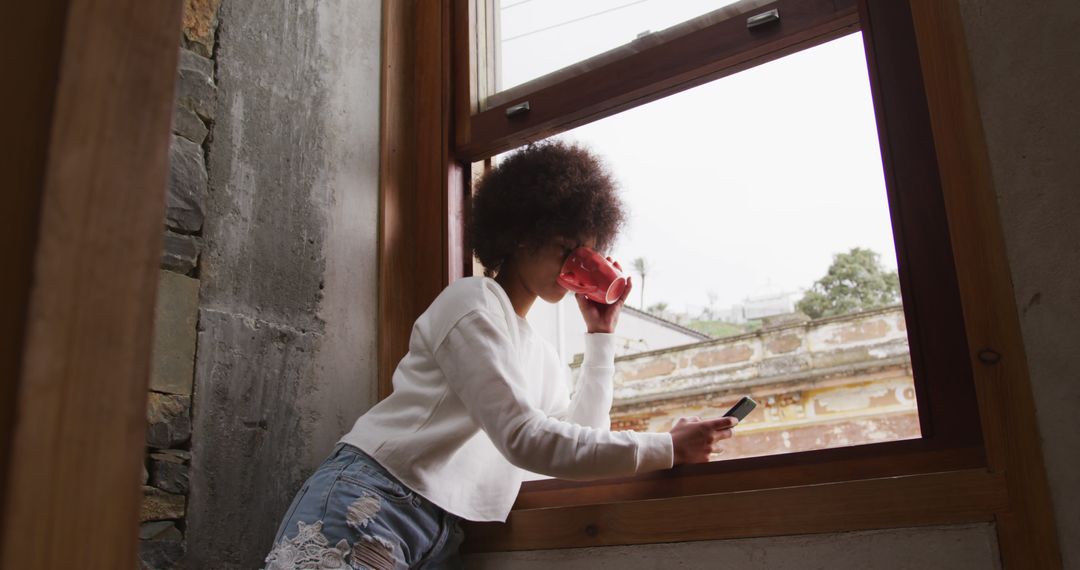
x,y
742,408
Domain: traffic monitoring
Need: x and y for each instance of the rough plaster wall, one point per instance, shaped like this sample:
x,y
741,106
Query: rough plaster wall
x,y
967,547
286,347
1026,60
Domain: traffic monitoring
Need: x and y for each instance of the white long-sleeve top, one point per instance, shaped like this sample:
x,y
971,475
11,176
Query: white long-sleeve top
x,y
480,400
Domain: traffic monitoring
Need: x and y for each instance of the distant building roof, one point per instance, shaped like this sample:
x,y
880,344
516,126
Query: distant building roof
x,y
666,323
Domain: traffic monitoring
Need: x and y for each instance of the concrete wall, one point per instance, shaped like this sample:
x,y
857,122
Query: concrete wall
x,y
286,341
1024,56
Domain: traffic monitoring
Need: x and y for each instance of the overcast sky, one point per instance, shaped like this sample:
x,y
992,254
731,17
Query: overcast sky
x,y
744,186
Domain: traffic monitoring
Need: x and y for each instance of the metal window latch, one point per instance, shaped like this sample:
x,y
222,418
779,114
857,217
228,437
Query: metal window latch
x,y
763,18
519,109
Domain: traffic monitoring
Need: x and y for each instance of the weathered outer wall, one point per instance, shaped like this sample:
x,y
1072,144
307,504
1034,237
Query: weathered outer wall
x,y
824,383
286,346
968,547
838,346
1023,56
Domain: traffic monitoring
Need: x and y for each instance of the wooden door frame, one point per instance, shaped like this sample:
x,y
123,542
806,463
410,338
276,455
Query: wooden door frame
x,y
92,110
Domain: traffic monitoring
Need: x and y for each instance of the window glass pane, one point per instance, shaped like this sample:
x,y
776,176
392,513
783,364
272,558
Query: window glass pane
x,y
537,37
745,195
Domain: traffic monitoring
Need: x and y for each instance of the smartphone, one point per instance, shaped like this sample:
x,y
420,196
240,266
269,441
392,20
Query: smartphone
x,y
742,408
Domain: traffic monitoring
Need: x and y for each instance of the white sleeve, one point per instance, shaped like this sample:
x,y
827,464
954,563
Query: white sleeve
x,y
590,404
481,366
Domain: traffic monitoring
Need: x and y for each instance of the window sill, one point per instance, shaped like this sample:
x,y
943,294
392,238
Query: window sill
x,y
949,497
751,474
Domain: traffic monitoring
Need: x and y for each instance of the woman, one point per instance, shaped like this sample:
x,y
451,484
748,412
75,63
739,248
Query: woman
x,y
480,399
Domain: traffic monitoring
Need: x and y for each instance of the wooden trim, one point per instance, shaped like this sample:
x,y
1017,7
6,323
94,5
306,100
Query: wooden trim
x,y
933,498
24,167
71,493
712,52
796,469
948,410
396,209
1026,532
491,68
431,99
476,37
416,178
465,66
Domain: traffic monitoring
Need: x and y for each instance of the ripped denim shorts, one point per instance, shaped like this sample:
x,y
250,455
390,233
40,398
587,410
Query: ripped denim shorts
x,y
353,514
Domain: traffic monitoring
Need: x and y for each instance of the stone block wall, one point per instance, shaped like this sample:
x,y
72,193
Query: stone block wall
x,y
828,346
168,439
831,382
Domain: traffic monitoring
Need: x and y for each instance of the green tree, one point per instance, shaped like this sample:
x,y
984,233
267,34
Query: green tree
x,y
856,281
657,308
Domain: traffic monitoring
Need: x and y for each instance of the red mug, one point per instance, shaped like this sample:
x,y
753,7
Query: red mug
x,y
586,271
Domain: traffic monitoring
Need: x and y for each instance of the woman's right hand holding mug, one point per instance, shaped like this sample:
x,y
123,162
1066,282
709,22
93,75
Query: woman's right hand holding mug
x,y
693,438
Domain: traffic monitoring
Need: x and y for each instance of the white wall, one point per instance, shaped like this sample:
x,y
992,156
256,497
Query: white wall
x,y
635,333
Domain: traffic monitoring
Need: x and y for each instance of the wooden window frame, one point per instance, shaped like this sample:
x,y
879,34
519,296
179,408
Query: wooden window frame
x,y
948,414
60,361
979,459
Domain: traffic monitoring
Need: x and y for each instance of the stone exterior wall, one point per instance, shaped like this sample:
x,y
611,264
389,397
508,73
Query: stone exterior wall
x,y
165,476
827,383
